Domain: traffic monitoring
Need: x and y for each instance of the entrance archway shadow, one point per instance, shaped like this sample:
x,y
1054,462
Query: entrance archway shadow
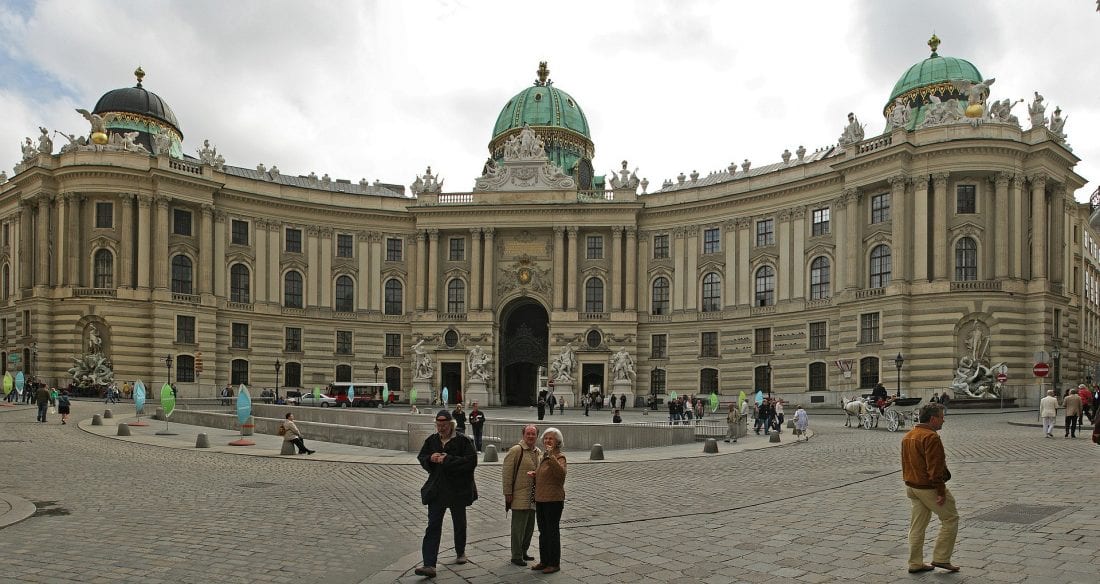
x,y
524,341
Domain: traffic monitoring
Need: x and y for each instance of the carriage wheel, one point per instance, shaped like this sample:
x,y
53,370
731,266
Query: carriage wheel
x,y
893,421
866,421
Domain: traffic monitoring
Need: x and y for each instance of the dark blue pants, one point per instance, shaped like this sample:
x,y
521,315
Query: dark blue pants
x,y
430,547
42,405
548,518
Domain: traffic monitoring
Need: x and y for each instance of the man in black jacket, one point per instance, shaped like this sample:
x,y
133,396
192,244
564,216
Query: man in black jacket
x,y
450,460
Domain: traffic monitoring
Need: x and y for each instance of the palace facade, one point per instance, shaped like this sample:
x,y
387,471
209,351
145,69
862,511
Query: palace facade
x,y
953,239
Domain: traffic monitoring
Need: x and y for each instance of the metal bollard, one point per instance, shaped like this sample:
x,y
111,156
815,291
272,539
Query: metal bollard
x,y
202,440
107,414
710,446
97,420
597,452
773,437
123,429
490,453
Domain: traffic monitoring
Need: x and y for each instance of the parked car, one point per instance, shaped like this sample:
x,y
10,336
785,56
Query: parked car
x,y
325,401
292,397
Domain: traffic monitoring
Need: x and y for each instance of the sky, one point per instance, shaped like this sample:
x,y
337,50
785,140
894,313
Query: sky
x,y
382,89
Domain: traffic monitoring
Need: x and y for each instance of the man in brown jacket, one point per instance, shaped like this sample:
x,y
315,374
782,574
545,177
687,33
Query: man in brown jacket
x,y
1072,404
924,469
519,491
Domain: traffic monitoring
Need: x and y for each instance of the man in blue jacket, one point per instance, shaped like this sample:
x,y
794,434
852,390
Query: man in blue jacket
x,y
450,460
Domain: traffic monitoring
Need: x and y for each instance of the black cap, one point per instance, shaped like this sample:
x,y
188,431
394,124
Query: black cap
x,y
444,414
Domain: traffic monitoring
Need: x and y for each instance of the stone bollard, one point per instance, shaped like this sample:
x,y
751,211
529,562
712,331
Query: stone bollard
x,y
711,446
107,414
202,440
490,453
97,420
288,448
773,437
790,423
123,429
159,414
597,452
248,426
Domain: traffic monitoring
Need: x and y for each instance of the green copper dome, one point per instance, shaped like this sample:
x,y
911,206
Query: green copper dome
x,y
930,77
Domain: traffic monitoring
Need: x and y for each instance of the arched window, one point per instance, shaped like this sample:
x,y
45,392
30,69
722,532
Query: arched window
x,y
185,368
292,289
880,267
239,372
712,292
593,295
660,297
868,372
393,378
456,296
819,278
343,373
966,259
7,281
104,269
393,297
657,381
818,377
765,286
239,284
181,275
345,294
708,381
292,374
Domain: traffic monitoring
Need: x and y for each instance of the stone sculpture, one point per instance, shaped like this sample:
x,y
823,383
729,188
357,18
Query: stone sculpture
x,y
476,362
1002,111
423,365
853,132
622,366
45,144
428,183
973,376
976,94
625,179
1058,124
562,367
93,368
1037,111
900,115
209,156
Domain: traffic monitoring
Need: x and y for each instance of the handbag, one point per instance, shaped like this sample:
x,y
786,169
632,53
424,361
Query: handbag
x,y
430,491
515,474
282,430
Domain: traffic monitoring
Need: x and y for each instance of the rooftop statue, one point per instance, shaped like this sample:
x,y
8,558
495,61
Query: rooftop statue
x,y
45,144
98,122
1002,111
625,179
29,151
976,94
75,142
209,156
941,112
853,132
162,144
1058,124
1037,111
426,184
900,115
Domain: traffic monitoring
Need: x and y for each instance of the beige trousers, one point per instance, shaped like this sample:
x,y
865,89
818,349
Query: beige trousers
x,y
924,505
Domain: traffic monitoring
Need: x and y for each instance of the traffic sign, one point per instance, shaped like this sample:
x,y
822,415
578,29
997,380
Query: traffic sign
x,y
1041,369
1001,377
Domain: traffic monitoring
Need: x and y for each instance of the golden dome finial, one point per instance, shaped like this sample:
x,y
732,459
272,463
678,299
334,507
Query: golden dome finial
x,y
140,74
543,73
934,44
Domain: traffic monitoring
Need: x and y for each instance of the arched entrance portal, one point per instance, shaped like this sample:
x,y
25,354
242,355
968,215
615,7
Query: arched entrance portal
x,y
524,337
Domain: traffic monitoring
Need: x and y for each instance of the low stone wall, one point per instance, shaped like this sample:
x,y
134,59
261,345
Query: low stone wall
x,y
383,438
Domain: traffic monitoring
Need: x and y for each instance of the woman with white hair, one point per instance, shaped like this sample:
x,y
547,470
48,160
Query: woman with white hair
x,y
549,500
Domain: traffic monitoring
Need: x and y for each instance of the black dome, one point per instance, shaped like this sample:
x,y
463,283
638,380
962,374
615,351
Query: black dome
x,y
137,100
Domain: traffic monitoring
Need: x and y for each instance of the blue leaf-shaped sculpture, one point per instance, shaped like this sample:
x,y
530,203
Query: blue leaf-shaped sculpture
x,y
244,404
139,396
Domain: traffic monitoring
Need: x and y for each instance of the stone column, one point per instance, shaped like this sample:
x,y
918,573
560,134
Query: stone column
x,y
853,251
433,269
144,231
1038,226
206,252
17,251
1002,238
679,251
729,247
376,272
899,221
313,277
631,268
364,290
62,248
160,248
328,299
571,277
616,268
475,269
218,261
645,288
939,225
797,248
559,267
1059,205
922,193
691,269
263,253
1019,225
744,246
42,233
490,269
783,289
126,235
275,261
419,242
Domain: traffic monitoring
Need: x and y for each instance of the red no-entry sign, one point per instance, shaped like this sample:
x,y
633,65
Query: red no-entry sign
x,y
1041,370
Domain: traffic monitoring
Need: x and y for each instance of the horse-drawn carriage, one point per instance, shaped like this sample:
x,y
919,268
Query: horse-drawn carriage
x,y
867,411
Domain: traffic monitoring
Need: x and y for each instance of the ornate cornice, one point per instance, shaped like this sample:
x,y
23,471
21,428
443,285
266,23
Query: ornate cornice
x,y
939,179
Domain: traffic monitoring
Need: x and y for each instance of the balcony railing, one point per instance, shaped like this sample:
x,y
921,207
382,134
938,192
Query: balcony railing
x,y
294,311
245,306
870,293
456,198
96,292
594,316
975,285
184,166
453,316
762,310
819,303
186,298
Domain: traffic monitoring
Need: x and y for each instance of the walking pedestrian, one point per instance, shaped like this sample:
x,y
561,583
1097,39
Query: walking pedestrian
x,y
291,433
477,423
801,420
519,492
541,406
63,406
550,501
779,416
450,460
1048,411
924,470
1072,404
733,420
459,418
622,401
42,400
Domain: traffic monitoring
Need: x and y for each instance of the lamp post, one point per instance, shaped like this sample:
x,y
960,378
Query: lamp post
x,y
34,358
278,367
376,372
898,362
1056,355
768,377
168,365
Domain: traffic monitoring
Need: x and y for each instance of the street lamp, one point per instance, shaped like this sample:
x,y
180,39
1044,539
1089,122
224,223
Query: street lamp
x,y
34,357
768,377
168,365
376,372
1056,355
278,367
898,362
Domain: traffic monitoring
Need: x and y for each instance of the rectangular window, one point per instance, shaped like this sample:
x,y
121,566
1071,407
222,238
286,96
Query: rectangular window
x,y
393,249
240,336
293,240
393,345
239,369
966,199
185,329
457,251
7,234
181,222
880,208
708,345
293,340
819,336
712,240
762,341
240,232
345,245
818,377
343,342
765,232
595,247
660,246
660,347
869,328
820,221
104,215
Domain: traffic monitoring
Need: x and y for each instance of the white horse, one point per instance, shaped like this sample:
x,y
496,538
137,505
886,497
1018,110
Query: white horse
x,y
854,407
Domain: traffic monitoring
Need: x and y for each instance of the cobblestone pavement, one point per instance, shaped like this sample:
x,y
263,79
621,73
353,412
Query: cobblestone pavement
x,y
829,510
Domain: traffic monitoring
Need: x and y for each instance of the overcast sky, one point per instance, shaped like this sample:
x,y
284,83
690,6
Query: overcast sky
x,y
379,90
